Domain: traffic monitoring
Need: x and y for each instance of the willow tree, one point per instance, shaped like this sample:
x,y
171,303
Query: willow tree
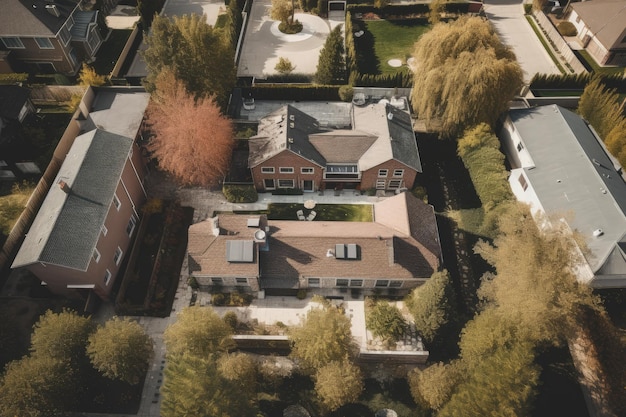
x,y
200,55
464,75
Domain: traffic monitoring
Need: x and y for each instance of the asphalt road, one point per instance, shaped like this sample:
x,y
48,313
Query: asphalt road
x,y
507,16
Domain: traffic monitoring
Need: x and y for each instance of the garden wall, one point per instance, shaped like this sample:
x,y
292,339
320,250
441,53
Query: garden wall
x,y
561,46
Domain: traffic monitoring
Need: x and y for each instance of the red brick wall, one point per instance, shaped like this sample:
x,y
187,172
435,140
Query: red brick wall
x,y
369,177
287,159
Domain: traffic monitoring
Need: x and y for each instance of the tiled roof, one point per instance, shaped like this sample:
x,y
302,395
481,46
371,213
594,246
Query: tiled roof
x,y
606,19
30,17
296,248
67,226
353,145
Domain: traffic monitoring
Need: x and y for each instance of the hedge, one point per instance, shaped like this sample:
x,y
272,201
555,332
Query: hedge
x,y
406,9
295,92
240,193
576,81
13,78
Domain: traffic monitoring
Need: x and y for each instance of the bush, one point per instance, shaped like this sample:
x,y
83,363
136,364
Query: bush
x,y
193,283
290,29
218,299
301,294
240,193
346,92
567,29
13,78
385,321
230,318
528,8
240,299
287,191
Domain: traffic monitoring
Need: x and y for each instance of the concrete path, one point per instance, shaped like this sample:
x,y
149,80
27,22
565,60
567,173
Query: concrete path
x,y
508,18
264,44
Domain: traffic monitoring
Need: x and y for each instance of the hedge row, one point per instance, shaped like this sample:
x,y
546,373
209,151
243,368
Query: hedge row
x,y
406,9
13,78
576,81
399,79
295,92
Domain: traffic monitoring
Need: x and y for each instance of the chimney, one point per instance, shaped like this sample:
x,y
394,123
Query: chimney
x,y
215,226
53,10
66,188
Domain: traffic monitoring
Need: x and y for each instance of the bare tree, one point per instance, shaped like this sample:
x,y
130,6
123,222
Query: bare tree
x,y
192,139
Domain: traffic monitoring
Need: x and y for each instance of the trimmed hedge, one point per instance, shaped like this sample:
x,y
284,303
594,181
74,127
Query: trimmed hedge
x,y
567,29
398,79
576,81
240,193
406,9
293,78
13,78
295,92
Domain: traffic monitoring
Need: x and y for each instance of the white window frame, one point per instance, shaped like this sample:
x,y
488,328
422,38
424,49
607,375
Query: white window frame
x,y
217,281
293,183
116,202
397,183
241,281
382,173
267,170
313,282
96,255
132,227
398,173
381,283
286,170
17,40
104,230
380,184
344,282
356,283
107,277
48,43
65,35
307,170
117,257
273,187
395,284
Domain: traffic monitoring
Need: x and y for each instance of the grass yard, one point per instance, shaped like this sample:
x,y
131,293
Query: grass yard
x,y
391,39
591,64
325,212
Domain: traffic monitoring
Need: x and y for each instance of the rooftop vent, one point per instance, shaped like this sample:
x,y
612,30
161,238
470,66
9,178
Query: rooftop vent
x,y
254,222
292,117
598,232
53,10
390,115
290,140
330,253
292,125
259,236
65,187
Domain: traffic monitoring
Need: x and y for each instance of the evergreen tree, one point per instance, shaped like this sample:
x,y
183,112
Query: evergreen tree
x,y
338,383
331,67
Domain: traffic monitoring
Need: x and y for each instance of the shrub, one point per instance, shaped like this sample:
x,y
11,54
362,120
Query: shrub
x,y
301,294
230,318
346,92
193,282
528,8
567,29
240,193
240,299
218,299
385,321
287,191
290,28
284,66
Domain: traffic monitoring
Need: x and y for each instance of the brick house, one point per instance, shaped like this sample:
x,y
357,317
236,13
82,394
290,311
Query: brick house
x,y
87,220
396,252
47,36
293,150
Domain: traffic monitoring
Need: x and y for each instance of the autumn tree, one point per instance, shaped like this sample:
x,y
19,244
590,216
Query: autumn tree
x,y
338,383
198,331
199,55
432,305
194,386
385,321
61,336
241,370
479,149
148,9
325,336
36,386
283,11
191,138
434,385
331,66
121,349
89,77
464,75
284,66
535,280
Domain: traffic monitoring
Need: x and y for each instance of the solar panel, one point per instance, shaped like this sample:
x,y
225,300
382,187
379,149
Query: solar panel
x,y
240,251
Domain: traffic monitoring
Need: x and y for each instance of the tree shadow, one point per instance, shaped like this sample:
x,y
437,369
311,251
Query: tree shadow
x,y
366,60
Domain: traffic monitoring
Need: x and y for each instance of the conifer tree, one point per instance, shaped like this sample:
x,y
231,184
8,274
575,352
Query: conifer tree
x,y
331,67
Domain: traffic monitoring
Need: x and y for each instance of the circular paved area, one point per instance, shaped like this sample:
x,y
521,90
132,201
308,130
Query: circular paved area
x,y
264,44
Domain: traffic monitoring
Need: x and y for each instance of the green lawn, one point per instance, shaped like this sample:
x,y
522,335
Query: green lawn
x,y
589,62
325,212
110,51
391,39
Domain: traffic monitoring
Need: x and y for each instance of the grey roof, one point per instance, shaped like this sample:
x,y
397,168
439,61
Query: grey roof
x,y
30,17
606,19
574,176
117,110
82,19
12,99
379,133
285,129
67,226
